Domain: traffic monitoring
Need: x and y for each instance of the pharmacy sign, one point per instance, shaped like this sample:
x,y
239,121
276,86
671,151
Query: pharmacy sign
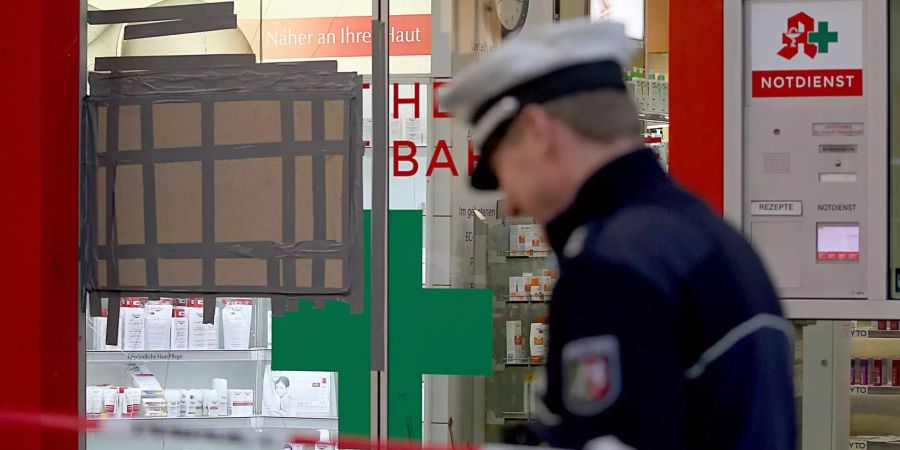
x,y
806,49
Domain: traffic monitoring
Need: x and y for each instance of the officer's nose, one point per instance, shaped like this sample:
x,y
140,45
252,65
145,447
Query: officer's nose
x,y
510,208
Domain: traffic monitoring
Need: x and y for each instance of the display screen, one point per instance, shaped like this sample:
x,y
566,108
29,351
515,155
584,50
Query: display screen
x,y
837,242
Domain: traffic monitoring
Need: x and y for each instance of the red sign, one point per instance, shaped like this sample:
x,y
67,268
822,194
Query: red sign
x,y
333,37
807,49
808,83
837,256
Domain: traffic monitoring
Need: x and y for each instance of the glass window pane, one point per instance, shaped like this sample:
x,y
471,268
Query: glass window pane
x,y
468,243
209,168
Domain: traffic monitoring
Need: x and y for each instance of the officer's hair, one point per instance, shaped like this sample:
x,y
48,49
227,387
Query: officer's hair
x,y
604,115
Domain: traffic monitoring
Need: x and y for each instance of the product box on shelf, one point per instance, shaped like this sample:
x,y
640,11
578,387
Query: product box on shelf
x,y
653,101
237,315
158,325
527,240
538,340
180,326
514,349
517,289
539,244
518,240
131,325
240,402
141,377
201,336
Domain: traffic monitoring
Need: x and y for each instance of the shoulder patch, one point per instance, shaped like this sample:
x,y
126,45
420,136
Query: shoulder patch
x,y
592,374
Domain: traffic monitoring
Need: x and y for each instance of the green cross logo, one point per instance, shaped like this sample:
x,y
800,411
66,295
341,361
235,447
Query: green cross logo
x,y
823,36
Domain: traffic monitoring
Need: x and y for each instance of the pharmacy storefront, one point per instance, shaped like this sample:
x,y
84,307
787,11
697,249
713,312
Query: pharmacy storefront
x,y
208,131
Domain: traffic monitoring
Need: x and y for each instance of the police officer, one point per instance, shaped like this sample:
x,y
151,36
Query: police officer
x,y
665,331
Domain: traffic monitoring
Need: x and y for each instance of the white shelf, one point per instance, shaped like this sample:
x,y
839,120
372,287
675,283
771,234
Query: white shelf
x,y
653,117
507,299
527,255
254,422
116,356
522,363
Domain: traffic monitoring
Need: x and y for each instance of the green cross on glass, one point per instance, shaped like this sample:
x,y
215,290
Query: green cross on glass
x,y
823,37
431,331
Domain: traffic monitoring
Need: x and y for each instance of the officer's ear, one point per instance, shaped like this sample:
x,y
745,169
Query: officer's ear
x,y
536,125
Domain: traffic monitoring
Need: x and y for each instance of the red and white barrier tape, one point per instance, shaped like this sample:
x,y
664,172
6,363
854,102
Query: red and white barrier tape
x,y
148,428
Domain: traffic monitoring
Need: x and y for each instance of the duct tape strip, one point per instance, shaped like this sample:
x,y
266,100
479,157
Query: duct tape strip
x,y
112,266
288,193
355,224
176,27
278,309
87,193
112,320
258,79
148,173
207,202
319,197
157,13
209,309
122,63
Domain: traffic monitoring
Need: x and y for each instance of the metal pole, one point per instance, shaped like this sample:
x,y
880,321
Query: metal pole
x,y
380,196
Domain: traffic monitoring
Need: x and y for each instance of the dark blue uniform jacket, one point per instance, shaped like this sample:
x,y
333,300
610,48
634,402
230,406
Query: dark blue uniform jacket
x,y
665,330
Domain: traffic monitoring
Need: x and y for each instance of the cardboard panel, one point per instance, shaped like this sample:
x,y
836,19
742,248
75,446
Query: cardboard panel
x,y
132,272
248,200
129,199
178,203
657,40
240,272
101,205
334,273
100,139
304,272
303,120
334,120
303,199
334,194
176,125
247,122
129,127
180,272
102,278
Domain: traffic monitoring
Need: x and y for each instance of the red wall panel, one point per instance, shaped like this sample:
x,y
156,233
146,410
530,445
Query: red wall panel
x,y
696,97
38,230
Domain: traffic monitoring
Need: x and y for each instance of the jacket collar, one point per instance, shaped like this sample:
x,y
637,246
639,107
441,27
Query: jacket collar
x,y
617,183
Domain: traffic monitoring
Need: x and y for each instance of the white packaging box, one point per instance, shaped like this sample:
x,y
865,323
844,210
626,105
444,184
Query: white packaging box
x,y
518,240
179,333
538,240
142,377
201,336
653,105
240,402
237,316
512,288
514,347
641,92
522,288
546,287
664,96
131,325
158,325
